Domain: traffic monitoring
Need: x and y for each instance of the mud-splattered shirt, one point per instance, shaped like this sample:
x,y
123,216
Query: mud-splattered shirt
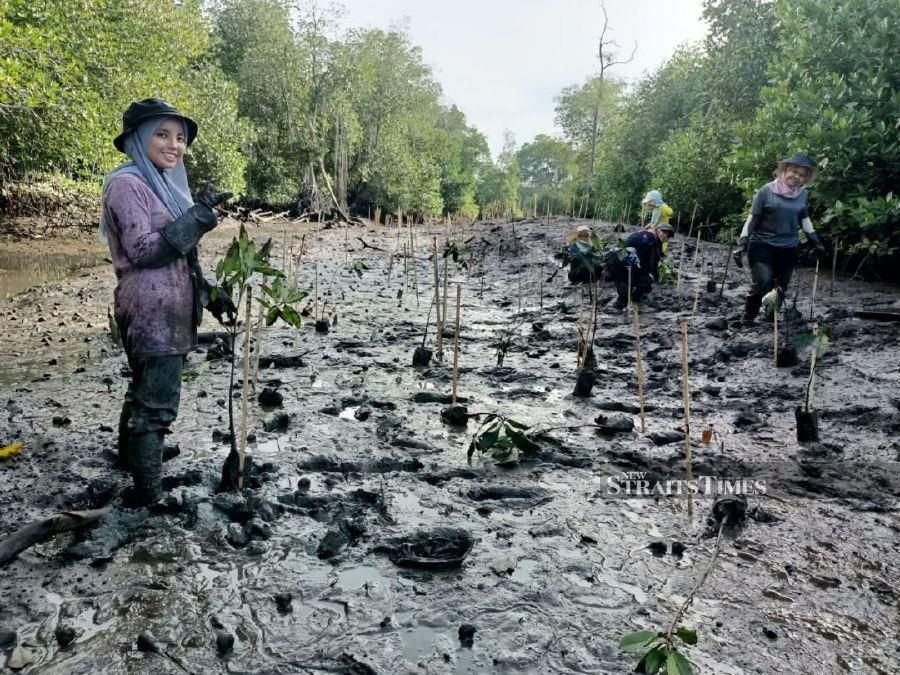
x,y
154,297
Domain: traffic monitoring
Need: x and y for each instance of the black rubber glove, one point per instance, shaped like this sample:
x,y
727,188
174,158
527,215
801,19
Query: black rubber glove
x,y
222,307
185,232
210,198
738,255
816,241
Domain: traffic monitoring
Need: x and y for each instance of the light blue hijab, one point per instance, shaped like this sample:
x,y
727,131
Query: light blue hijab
x,y
170,185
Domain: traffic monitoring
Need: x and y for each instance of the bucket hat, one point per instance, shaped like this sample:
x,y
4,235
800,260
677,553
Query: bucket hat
x,y
800,159
139,111
666,227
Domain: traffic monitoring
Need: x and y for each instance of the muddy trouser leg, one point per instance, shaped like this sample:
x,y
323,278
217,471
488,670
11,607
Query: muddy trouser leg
x,y
761,274
642,286
123,459
618,273
785,260
156,395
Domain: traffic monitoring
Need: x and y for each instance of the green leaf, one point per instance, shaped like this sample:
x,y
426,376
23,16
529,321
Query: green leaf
x,y
522,442
516,425
272,315
651,662
635,642
487,439
676,664
687,635
291,316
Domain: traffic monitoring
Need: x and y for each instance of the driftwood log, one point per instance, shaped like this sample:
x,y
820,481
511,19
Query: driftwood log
x,y
40,530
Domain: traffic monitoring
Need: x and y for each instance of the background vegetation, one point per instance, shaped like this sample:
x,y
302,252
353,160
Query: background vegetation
x,y
293,111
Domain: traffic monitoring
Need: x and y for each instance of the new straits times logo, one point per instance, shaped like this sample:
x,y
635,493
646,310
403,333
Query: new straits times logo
x,y
644,484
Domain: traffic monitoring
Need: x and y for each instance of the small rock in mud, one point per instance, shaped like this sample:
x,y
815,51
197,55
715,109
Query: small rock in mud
x,y
729,509
666,437
678,549
236,535
504,565
433,397
657,548
147,643
65,635
346,533
615,424
362,413
271,398
276,422
224,642
717,324
20,657
283,603
624,406
770,633
746,419
61,421
467,635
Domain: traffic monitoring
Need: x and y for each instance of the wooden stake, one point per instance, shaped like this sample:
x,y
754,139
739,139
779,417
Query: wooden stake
x,y
315,296
812,301
686,398
640,367
775,339
578,331
727,267
696,300
837,245
810,387
437,290
628,306
456,346
242,447
444,310
258,350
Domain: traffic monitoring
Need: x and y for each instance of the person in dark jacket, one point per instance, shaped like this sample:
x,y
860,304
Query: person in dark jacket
x,y
641,254
152,226
770,238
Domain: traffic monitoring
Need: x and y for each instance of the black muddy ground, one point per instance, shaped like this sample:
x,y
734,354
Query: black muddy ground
x,y
298,577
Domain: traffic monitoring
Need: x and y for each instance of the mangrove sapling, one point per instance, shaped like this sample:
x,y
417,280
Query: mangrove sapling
x,y
807,416
686,401
660,650
421,354
812,299
504,437
457,415
242,261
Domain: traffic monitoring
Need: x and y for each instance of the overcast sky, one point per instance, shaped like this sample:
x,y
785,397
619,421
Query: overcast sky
x,y
502,62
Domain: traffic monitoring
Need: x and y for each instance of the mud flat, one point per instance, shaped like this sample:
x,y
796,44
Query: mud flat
x,y
301,574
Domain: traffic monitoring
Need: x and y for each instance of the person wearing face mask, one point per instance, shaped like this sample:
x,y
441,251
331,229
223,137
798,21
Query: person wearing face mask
x,y
152,226
770,237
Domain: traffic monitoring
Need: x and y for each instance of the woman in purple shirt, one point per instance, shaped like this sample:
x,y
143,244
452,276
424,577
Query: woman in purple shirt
x,y
153,226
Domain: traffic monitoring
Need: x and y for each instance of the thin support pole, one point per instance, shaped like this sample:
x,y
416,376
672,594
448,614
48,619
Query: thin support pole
x,y
456,345
686,398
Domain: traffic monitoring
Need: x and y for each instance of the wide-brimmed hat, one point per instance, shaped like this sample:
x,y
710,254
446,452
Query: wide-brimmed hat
x,y
143,110
653,197
799,159
666,227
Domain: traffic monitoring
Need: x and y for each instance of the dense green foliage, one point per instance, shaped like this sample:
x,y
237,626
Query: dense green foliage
x,y
773,77
292,111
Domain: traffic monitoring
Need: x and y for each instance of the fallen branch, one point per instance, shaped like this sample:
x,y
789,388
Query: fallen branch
x,y
374,248
39,530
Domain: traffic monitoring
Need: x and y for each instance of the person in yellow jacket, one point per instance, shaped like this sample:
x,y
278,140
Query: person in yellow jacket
x,y
660,212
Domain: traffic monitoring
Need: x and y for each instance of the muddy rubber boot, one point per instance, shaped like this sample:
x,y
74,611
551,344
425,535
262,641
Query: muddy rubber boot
x,y
146,467
123,456
751,308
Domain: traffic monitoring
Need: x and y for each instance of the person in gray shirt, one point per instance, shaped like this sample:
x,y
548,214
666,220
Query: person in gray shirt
x,y
770,238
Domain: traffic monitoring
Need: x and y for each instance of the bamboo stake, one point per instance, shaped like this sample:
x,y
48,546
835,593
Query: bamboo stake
x,y
810,387
242,448
438,321
697,249
640,367
628,306
837,245
696,300
579,332
775,339
686,398
519,290
812,301
444,310
415,266
456,346
259,328
316,295
727,267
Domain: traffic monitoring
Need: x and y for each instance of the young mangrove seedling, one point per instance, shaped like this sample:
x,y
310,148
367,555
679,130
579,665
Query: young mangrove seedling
x,y
506,439
241,263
